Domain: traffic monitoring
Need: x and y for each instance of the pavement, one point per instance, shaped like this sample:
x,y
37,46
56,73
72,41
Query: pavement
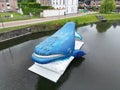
x,y
39,20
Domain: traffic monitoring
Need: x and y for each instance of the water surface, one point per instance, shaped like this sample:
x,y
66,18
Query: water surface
x,y
98,70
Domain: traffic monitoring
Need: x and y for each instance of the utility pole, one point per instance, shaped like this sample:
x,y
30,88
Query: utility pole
x,y
1,16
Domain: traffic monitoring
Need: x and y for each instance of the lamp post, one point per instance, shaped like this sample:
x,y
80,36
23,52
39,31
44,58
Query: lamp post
x,y
1,17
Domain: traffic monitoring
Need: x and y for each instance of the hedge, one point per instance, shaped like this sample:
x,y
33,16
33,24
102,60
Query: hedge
x,y
33,7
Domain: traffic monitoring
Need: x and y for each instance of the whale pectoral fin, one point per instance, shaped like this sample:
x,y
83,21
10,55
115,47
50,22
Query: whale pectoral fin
x,y
78,53
77,35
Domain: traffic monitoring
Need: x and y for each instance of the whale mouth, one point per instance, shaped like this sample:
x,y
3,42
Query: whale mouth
x,y
49,56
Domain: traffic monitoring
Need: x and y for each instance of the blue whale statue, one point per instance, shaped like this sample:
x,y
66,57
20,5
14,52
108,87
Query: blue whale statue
x,y
58,46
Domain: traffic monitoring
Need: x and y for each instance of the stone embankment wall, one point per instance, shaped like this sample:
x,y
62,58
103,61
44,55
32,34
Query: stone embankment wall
x,y
13,34
28,30
12,38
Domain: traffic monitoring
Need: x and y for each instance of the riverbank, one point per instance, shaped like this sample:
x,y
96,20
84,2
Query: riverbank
x,y
112,16
39,20
10,26
7,33
80,19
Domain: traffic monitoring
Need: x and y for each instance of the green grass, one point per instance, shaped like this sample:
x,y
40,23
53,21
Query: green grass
x,y
54,25
6,16
80,20
13,28
85,19
112,16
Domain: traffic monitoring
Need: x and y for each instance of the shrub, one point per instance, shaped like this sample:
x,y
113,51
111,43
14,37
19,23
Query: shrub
x,y
33,7
107,6
47,7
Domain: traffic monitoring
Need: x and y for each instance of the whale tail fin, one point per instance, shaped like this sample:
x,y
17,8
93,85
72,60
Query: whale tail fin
x,y
78,53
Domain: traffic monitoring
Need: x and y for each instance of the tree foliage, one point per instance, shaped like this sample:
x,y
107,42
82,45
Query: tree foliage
x,y
32,7
107,6
104,28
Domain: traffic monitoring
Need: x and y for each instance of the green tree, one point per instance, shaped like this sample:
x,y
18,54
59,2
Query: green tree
x,y
107,6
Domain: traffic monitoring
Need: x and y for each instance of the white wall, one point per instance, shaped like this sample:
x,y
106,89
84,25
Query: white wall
x,y
49,13
71,6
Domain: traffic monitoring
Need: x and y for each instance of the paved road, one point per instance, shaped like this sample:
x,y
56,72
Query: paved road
x,y
33,21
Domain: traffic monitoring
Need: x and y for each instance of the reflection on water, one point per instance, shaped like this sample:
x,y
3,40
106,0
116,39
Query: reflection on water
x,y
44,84
103,27
22,39
98,70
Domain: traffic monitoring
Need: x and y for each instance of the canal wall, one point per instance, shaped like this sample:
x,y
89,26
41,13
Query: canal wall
x,y
4,36
11,38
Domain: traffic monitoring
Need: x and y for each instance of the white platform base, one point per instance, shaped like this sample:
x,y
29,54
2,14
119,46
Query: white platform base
x,y
54,70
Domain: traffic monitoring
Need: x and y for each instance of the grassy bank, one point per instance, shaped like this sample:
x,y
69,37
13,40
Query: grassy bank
x,y
53,25
78,20
56,24
12,16
112,16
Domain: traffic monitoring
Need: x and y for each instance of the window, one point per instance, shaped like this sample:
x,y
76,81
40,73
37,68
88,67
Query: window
x,y
56,2
8,5
6,0
60,2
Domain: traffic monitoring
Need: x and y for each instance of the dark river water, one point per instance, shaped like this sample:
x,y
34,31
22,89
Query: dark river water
x,y
99,69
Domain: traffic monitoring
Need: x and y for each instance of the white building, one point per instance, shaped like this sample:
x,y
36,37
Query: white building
x,y
70,6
